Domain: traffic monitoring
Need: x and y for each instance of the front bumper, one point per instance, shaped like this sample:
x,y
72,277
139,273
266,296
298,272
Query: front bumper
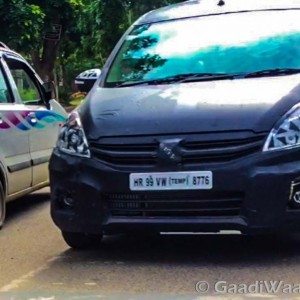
x,y
262,182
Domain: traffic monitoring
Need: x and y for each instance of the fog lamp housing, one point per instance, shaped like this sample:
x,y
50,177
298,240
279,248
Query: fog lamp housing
x,y
65,200
295,195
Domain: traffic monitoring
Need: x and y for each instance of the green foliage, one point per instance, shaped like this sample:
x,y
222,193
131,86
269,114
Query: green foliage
x,y
90,30
102,23
28,95
22,23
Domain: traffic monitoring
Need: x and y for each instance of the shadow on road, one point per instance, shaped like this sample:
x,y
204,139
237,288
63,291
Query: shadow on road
x,y
194,249
171,264
174,264
25,204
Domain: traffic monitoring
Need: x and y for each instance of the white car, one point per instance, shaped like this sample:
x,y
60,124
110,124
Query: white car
x,y
29,125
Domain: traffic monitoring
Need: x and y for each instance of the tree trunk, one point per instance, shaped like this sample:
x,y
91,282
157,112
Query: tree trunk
x,y
45,64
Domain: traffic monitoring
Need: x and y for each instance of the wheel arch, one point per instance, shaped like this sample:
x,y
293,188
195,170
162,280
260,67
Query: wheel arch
x,y
3,179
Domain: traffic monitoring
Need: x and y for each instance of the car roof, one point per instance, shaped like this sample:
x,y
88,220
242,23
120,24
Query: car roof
x,y
195,8
8,51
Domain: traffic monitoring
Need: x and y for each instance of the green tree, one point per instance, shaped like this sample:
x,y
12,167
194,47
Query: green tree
x,y
90,30
21,23
103,22
26,22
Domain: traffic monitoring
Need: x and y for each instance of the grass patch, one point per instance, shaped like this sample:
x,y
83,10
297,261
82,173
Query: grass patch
x,y
76,99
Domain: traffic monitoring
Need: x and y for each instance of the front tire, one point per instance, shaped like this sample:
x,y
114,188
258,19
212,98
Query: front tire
x,y
2,206
82,241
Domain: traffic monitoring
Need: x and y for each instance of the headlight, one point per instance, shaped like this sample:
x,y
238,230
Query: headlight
x,y
72,139
286,134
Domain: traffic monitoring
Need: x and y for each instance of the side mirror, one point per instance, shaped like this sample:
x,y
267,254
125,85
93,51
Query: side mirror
x,y
49,90
86,80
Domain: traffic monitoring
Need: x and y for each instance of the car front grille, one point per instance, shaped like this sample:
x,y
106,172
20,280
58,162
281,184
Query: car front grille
x,y
126,154
174,205
213,148
221,151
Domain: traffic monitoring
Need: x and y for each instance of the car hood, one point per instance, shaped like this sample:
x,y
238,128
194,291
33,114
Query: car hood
x,y
227,105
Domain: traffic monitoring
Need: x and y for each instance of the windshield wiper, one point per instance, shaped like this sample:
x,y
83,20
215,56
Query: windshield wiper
x,y
272,72
180,78
191,77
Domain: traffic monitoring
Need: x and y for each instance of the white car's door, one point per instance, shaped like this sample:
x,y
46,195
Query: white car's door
x,y
14,137
44,121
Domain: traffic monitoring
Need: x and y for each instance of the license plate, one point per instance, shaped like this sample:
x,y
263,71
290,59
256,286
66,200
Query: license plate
x,y
171,181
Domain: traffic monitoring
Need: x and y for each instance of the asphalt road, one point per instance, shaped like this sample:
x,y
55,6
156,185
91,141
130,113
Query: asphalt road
x,y
35,263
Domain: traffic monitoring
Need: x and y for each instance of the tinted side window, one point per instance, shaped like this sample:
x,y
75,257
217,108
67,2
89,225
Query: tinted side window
x,y
27,87
4,93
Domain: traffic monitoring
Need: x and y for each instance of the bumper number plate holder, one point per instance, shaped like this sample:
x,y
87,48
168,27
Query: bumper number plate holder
x,y
171,181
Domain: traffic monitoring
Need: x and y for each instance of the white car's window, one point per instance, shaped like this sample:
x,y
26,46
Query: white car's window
x,y
27,88
4,93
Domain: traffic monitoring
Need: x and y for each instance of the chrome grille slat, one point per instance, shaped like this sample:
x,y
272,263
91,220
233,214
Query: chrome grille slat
x,y
120,154
220,151
224,143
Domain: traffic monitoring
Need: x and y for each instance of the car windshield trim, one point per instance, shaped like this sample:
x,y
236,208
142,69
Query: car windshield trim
x,y
180,78
273,72
194,77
